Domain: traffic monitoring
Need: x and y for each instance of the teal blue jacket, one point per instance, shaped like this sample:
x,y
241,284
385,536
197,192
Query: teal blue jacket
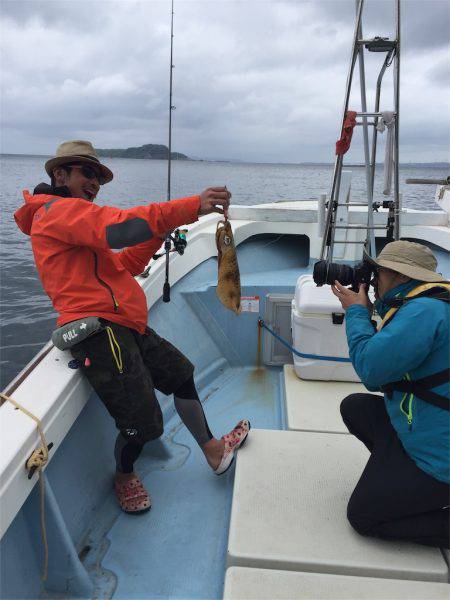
x,y
416,342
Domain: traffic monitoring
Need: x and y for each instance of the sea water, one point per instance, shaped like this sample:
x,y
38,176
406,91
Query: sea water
x,y
27,317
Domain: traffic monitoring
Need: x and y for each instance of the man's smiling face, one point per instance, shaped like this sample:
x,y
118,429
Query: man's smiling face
x,y
82,180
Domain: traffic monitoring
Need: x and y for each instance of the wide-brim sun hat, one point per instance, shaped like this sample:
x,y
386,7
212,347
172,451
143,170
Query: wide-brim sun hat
x,y
79,152
408,258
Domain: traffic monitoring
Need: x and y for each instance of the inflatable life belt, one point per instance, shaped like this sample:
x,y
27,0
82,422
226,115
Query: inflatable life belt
x,y
422,388
436,290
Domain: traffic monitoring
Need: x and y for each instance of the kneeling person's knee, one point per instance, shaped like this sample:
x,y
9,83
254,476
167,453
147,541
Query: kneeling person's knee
x,y
360,524
357,516
348,405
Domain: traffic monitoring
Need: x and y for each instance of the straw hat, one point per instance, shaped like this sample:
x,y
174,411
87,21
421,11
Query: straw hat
x,y
408,258
77,151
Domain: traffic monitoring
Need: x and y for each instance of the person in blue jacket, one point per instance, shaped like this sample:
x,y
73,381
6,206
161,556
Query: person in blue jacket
x,y
404,490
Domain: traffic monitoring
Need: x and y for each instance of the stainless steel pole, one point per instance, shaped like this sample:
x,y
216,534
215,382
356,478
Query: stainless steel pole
x,y
369,197
338,161
373,159
397,208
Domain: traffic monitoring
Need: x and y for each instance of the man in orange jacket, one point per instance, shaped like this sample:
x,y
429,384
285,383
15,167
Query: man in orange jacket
x,y
94,291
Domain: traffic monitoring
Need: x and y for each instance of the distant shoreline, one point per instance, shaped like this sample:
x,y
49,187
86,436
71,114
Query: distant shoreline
x,y
437,165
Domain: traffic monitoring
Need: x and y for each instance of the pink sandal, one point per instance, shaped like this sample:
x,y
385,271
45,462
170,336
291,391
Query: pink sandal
x,y
233,440
132,496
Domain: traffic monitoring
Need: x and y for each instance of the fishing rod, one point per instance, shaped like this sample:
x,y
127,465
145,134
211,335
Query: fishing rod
x,y
168,239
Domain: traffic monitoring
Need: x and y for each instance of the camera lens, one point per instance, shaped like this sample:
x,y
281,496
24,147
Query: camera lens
x,y
320,272
330,272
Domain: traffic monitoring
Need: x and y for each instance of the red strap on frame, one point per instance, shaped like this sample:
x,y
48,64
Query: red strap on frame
x,y
343,144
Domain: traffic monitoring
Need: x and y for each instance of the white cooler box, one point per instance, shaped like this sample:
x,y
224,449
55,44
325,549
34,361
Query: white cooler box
x,y
318,328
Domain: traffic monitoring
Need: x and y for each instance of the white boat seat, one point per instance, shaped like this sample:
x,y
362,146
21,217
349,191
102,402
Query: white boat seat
x,y
268,584
290,496
314,405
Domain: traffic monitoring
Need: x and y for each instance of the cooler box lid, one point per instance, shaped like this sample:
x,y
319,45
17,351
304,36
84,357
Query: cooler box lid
x,y
310,299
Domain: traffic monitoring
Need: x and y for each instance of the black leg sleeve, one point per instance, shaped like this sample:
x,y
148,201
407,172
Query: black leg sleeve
x,y
126,453
189,407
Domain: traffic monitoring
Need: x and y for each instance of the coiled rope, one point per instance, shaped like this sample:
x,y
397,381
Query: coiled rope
x,y
37,461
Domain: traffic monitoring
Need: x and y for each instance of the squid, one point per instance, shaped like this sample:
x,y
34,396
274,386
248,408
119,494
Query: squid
x,y
228,279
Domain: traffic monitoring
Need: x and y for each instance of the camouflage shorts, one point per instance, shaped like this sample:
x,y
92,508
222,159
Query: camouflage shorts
x,y
148,362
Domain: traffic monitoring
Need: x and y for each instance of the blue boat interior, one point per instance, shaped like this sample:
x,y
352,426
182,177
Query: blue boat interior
x,y
178,548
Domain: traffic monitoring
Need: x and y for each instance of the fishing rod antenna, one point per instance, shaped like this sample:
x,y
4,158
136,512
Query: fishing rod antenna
x,y
167,241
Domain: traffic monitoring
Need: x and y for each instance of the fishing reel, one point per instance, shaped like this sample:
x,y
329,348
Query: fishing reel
x,y
179,240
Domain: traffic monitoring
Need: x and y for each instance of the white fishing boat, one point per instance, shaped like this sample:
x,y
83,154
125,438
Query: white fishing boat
x,y
275,525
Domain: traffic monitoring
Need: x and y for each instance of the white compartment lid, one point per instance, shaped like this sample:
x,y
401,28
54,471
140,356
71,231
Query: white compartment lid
x,y
310,299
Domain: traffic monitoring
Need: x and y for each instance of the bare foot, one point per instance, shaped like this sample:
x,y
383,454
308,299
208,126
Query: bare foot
x,y
213,451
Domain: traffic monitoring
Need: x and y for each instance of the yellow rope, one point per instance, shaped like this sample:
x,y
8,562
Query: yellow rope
x,y
115,348
37,460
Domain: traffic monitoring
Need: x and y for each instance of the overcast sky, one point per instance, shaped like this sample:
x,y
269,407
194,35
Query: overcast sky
x,y
253,80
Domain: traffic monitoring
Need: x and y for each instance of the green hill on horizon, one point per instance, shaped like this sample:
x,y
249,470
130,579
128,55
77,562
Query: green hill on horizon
x,y
149,151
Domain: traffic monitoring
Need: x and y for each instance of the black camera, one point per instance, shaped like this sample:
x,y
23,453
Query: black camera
x,y
325,272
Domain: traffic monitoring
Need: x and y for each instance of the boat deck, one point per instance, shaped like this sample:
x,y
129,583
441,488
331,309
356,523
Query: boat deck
x,y
181,548
285,499
178,548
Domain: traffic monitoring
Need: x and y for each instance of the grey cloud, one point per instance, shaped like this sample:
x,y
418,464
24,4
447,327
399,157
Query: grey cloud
x,y
424,23
67,15
252,80
439,73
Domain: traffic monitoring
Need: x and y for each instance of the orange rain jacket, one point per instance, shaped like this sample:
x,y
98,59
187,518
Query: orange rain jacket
x,y
73,241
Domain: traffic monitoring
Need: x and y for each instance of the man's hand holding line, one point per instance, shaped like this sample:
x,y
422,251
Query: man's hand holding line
x,y
215,199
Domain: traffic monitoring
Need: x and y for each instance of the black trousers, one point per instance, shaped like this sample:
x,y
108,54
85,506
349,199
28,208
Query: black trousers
x,y
393,499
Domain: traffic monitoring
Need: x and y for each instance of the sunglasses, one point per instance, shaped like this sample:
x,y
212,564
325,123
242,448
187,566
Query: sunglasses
x,y
376,274
88,172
